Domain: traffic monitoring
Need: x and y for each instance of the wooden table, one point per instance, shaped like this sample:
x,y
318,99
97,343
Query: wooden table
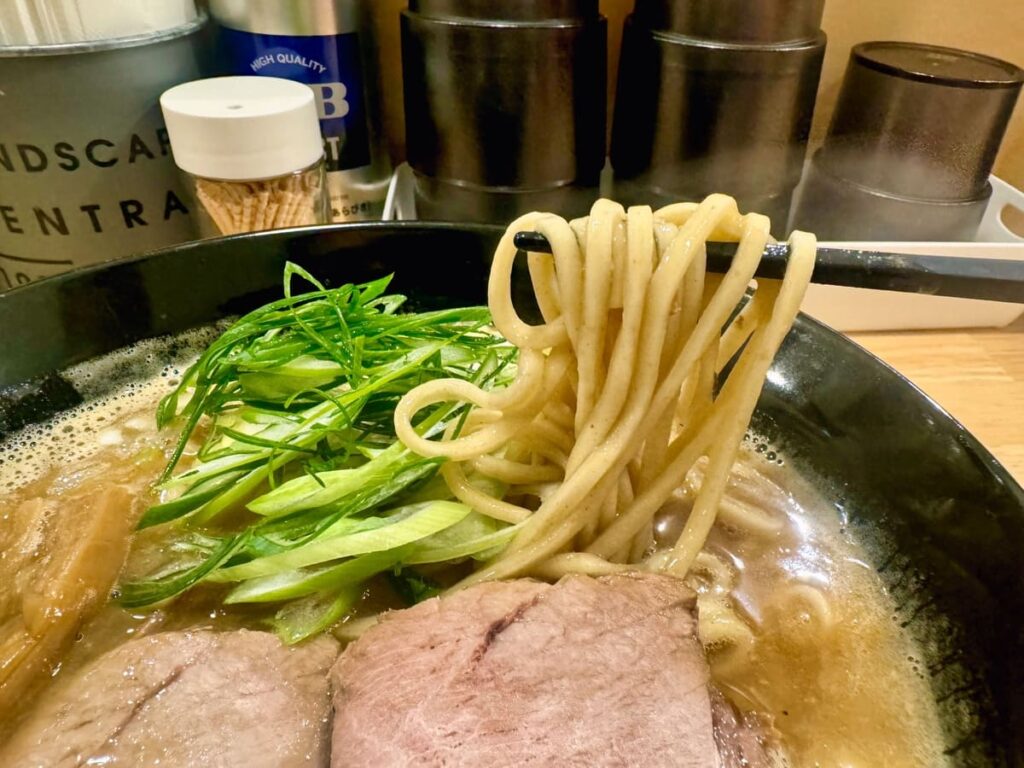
x,y
977,375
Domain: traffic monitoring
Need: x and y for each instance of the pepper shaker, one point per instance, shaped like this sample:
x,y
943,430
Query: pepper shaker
x,y
328,45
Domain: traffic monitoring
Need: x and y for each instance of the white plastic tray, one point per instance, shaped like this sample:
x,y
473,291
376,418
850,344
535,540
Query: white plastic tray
x,y
858,309
853,309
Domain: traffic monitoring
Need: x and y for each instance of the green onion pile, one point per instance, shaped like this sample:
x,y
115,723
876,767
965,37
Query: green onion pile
x,y
300,491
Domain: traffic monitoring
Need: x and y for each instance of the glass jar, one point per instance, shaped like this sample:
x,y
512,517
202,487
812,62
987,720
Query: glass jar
x,y
251,153
230,207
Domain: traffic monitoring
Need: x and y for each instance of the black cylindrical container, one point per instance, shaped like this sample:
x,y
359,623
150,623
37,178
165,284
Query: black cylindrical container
x,y
921,120
836,208
504,106
716,97
911,145
735,21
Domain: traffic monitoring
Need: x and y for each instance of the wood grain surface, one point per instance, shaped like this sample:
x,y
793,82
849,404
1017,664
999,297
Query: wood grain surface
x,y
977,375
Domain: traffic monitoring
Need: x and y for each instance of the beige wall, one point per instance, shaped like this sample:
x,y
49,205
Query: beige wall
x,y
994,27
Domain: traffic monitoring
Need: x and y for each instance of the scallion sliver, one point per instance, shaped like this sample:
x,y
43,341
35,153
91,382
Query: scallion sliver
x,y
426,519
300,489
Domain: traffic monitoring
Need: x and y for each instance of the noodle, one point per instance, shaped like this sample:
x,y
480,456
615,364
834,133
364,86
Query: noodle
x,y
619,390
725,633
804,608
722,630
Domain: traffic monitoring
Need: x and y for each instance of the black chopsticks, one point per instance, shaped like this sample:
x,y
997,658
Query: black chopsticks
x,y
966,278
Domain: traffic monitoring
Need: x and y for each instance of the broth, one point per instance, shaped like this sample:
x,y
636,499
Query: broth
x,y
843,682
828,663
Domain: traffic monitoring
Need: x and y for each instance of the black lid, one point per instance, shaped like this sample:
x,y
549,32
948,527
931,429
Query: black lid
x,y
518,11
735,21
937,65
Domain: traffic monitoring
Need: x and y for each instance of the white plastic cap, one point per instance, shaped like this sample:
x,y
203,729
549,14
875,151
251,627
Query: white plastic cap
x,y
238,128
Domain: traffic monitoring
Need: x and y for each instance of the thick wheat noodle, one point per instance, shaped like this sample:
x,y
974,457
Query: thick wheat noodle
x,y
642,543
722,629
535,376
720,624
542,276
466,492
549,431
473,497
759,357
719,575
815,603
709,320
506,319
558,520
739,396
685,451
567,563
531,444
543,449
597,278
559,414
643,507
748,518
755,313
516,472
614,399
622,366
688,300
724,632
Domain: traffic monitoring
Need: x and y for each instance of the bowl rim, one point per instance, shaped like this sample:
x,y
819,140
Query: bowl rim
x,y
998,470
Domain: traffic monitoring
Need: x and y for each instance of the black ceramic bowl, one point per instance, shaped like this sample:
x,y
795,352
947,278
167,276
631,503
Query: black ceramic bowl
x,y
945,519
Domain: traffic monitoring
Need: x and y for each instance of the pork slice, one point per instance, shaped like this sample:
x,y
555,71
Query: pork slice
x,y
186,699
588,672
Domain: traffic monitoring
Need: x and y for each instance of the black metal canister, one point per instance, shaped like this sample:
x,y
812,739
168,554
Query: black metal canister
x,y
504,106
911,145
716,96
921,120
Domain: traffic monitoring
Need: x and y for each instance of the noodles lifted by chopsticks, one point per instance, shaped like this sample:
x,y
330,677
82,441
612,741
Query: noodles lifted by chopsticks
x,y
618,392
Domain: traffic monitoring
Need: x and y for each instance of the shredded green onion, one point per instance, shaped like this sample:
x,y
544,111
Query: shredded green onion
x,y
298,487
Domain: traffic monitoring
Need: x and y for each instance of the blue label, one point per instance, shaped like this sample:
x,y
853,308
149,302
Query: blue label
x,y
330,66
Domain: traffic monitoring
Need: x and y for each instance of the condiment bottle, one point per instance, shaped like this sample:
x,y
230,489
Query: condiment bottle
x,y
330,46
251,151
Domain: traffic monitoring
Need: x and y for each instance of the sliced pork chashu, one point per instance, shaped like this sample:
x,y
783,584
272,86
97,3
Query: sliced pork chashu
x,y
196,698
587,672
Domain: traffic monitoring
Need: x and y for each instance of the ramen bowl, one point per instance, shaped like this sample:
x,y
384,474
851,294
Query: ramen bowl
x,y
942,520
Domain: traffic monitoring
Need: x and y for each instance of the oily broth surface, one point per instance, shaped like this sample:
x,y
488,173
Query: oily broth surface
x,y
120,393
92,464
847,694
845,688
